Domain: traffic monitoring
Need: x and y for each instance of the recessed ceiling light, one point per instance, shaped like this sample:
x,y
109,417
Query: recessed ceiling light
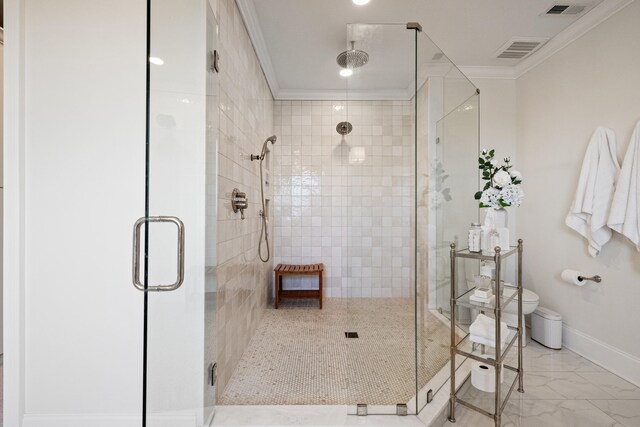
x,y
360,2
346,72
155,60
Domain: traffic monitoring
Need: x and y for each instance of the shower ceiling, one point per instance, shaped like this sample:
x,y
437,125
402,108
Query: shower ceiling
x,y
302,38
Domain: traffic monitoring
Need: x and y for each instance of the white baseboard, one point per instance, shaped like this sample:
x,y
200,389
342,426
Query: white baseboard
x,y
103,420
625,365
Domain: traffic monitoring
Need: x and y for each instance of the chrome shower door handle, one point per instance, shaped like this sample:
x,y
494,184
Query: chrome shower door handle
x,y
136,253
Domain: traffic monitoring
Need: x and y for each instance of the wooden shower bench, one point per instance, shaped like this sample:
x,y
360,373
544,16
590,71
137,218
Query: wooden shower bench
x,y
298,270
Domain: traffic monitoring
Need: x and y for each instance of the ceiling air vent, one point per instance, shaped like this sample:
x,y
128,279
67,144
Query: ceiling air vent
x,y
520,47
566,9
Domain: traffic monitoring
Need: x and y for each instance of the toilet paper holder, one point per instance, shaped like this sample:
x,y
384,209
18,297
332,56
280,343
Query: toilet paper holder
x,y
595,278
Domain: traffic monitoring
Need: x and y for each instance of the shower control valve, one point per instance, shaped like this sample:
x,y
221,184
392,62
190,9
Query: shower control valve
x,y
239,202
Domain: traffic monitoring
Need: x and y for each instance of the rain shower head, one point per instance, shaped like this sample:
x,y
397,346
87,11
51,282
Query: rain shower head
x,y
352,58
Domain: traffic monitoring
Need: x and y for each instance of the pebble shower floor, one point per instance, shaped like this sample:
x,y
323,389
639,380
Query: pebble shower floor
x,y
300,356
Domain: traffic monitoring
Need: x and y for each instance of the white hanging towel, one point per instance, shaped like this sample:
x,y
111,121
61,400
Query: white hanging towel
x,y
590,210
625,210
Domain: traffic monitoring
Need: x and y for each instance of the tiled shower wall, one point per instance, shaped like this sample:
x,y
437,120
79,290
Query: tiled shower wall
x,y
246,120
345,202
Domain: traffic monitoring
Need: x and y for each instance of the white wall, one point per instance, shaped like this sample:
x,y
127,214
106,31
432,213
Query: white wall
x,y
592,82
498,115
498,129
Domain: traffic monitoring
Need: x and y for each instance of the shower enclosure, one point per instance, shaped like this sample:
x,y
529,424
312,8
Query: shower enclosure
x,y
378,206
410,180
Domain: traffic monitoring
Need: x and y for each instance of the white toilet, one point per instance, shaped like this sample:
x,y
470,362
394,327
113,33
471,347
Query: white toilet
x,y
530,302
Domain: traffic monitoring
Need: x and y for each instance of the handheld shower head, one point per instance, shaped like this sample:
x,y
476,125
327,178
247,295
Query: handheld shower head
x,y
263,213
263,152
271,139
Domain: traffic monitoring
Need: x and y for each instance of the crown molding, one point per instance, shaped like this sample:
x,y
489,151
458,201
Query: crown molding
x,y
339,95
583,25
488,72
587,22
251,22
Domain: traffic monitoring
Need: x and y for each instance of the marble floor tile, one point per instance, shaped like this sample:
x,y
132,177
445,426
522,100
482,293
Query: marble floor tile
x,y
627,412
468,418
560,385
542,359
612,384
557,413
536,387
560,388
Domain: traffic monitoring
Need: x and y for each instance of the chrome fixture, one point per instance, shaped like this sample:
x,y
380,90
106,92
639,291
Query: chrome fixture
x,y
344,128
136,253
214,61
595,278
239,202
263,213
353,58
272,139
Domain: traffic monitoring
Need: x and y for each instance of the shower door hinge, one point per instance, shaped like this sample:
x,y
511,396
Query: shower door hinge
x,y
213,374
361,409
214,61
429,396
401,409
438,140
414,26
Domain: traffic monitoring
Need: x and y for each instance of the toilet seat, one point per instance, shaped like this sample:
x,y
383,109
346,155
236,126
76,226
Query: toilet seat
x,y
528,297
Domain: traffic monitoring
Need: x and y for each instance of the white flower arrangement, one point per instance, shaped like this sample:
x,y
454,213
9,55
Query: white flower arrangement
x,y
502,188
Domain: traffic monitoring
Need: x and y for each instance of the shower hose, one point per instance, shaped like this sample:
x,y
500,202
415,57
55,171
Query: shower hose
x,y
264,230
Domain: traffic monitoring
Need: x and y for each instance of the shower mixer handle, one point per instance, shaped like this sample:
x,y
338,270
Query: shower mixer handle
x,y
239,202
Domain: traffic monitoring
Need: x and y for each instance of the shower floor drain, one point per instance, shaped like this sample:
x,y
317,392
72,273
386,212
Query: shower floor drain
x,y
351,334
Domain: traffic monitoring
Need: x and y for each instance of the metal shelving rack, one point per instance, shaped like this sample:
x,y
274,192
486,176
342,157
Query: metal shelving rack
x,y
496,306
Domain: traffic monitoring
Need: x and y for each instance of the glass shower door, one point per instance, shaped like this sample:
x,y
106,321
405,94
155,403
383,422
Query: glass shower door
x,y
174,242
447,123
379,173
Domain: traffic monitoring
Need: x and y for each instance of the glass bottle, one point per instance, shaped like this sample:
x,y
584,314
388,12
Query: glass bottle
x,y
475,237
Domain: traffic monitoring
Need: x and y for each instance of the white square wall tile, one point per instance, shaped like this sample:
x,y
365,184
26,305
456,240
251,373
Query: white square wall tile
x,y
342,207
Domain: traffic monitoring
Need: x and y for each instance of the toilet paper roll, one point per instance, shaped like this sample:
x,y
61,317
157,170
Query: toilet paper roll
x,y
483,377
571,276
